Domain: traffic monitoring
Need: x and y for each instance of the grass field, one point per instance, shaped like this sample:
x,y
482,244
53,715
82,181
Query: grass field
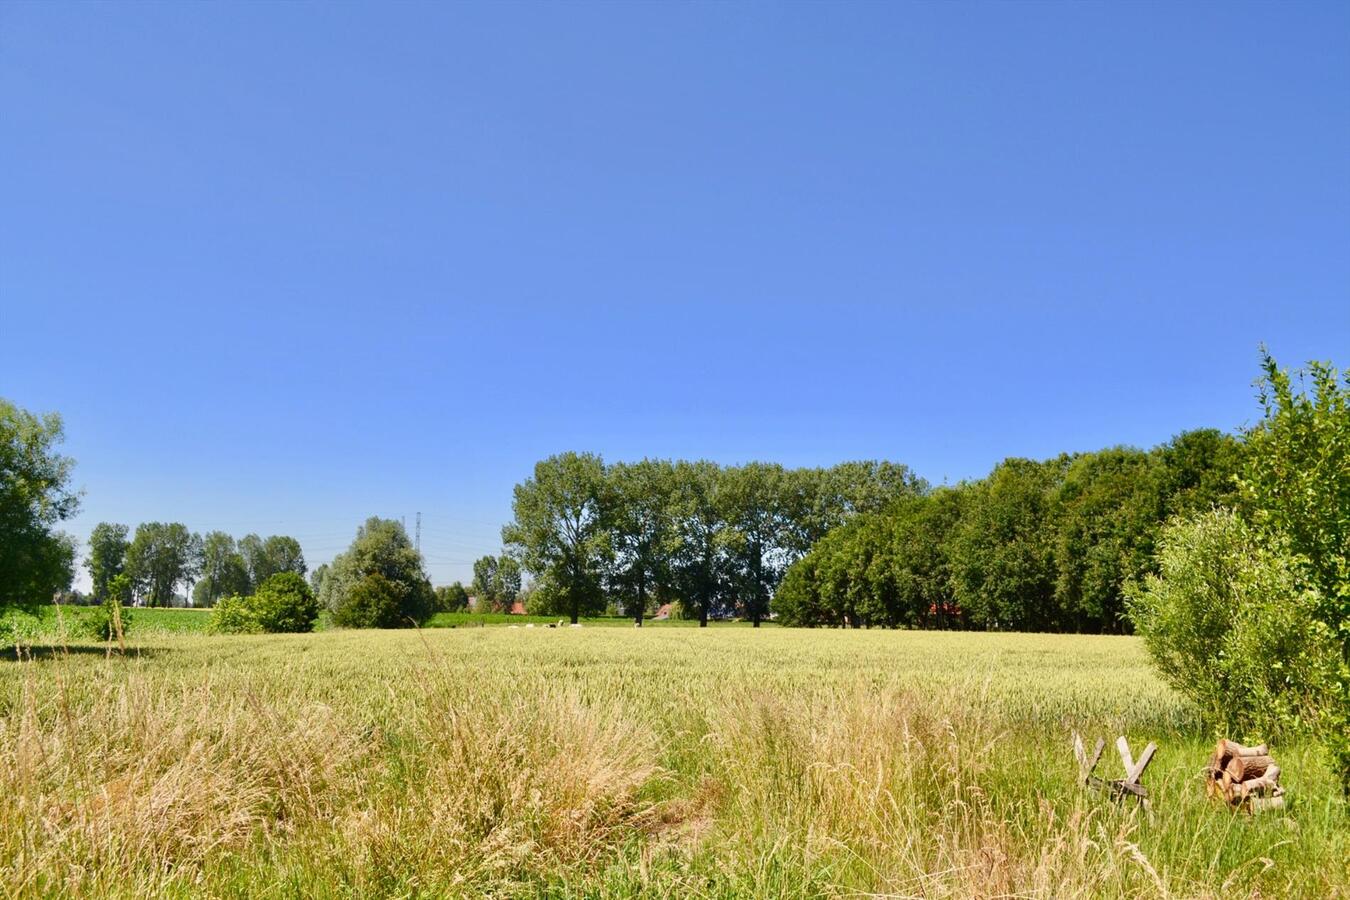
x,y
597,762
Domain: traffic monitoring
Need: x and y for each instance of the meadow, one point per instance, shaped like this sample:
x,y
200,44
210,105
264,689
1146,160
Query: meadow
x,y
606,762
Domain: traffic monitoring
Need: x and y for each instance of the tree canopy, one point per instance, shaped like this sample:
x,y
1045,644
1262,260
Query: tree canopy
x,y
1045,545
107,556
715,538
36,560
162,556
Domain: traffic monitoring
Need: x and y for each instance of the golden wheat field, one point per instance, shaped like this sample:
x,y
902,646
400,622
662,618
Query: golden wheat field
x,y
595,762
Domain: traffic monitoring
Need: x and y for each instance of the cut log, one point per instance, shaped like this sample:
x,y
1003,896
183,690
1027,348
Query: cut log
x,y
1245,767
1269,783
1233,748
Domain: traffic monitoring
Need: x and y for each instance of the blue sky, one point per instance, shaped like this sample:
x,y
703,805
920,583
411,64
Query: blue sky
x,y
284,266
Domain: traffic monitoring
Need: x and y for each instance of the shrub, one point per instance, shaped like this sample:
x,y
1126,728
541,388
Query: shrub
x,y
235,615
1296,484
373,602
100,622
285,603
1231,626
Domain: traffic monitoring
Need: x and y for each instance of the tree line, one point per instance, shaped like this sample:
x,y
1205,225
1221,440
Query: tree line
x,y
149,567
1037,545
715,540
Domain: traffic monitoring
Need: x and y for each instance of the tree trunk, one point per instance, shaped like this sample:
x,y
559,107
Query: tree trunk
x,y
703,615
759,580
576,608
642,600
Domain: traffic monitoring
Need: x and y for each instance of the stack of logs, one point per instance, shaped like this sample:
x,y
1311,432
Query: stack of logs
x,y
1245,777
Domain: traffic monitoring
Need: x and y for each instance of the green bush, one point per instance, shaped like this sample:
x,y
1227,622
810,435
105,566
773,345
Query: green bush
x,y
375,602
285,603
1232,626
1296,486
235,615
98,622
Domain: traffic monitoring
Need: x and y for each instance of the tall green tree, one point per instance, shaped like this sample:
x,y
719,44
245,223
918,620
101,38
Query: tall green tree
x,y
826,498
264,558
484,584
1199,471
700,567
856,574
1003,553
107,556
922,530
224,572
161,557
760,506
640,527
496,581
379,582
1108,509
36,560
1297,475
558,531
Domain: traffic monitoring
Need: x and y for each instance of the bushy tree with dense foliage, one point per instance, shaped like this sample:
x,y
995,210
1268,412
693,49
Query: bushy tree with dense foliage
x,y
36,560
1003,552
921,532
1296,484
374,602
1230,625
1198,471
285,603
379,581
1297,478
558,530
1106,514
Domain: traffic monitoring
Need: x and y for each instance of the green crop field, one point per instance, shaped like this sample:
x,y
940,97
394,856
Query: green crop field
x,y
600,762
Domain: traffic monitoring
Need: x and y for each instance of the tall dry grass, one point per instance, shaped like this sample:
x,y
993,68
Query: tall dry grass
x,y
606,764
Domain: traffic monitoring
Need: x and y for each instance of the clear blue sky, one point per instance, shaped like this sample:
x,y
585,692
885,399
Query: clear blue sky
x,y
283,266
